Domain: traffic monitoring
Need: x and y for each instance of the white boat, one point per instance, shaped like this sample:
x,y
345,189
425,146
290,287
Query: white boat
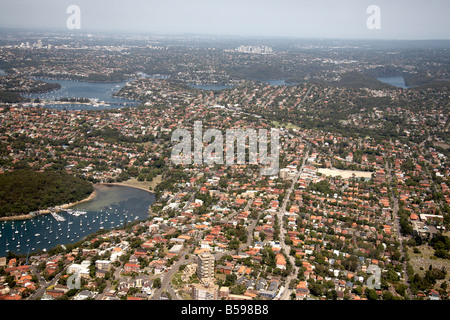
x,y
57,217
37,234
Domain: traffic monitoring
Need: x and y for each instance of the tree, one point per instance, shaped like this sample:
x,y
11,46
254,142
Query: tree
x,y
238,289
230,280
332,295
371,294
157,283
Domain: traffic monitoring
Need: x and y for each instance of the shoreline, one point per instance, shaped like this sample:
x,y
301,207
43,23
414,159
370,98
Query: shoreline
x,y
49,210
120,184
69,205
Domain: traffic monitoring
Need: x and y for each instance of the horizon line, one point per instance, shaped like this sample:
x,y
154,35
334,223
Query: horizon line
x,y
220,35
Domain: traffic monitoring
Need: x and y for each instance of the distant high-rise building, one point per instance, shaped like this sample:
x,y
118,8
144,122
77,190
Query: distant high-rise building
x,y
205,267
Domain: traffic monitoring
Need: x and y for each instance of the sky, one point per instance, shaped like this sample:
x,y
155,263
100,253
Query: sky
x,y
338,19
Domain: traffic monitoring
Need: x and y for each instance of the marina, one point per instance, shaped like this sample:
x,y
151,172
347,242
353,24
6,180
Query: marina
x,y
113,207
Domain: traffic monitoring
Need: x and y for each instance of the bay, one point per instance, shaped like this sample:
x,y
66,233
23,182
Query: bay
x,y
112,207
398,82
100,91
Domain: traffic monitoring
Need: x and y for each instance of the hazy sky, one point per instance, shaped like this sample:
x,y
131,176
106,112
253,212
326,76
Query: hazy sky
x,y
400,19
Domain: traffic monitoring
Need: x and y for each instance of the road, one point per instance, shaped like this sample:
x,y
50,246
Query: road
x,y
165,281
43,284
396,219
115,276
286,248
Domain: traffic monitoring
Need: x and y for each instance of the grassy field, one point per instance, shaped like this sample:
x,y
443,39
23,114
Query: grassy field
x,y
288,125
345,174
146,185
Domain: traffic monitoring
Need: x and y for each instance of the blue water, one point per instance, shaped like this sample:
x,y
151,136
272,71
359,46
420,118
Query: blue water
x,y
112,207
398,82
80,89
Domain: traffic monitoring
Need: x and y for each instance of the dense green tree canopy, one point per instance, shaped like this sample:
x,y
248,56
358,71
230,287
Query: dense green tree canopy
x,y
24,191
